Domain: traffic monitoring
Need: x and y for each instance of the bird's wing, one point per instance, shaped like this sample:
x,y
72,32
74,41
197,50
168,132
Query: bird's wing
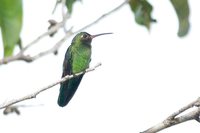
x,y
68,88
67,63
67,70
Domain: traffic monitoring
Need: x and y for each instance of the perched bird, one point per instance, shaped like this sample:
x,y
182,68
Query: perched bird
x,y
77,59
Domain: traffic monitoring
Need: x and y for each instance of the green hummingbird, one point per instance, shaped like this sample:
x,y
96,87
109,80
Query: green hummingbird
x,y
77,59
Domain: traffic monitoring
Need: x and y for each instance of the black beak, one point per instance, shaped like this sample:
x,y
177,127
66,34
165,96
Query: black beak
x,y
93,36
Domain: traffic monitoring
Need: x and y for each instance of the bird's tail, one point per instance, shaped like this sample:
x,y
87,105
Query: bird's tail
x,y
67,90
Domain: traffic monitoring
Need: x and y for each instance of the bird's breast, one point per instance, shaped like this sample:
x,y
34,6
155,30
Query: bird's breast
x,y
81,61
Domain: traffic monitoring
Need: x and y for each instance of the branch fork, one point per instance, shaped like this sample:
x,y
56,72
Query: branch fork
x,y
175,119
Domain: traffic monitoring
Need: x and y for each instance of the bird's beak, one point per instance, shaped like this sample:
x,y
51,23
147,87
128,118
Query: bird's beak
x,y
93,36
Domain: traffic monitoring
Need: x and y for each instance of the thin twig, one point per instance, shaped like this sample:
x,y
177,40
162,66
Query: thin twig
x,y
33,95
28,58
54,9
63,8
65,15
49,32
192,104
54,49
70,33
174,120
103,16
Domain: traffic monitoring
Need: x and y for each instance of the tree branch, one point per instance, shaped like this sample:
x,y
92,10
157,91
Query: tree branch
x,y
103,16
33,95
174,120
54,49
28,58
69,34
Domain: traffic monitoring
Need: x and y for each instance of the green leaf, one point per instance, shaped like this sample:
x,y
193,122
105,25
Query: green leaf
x,y
142,10
182,10
10,23
69,4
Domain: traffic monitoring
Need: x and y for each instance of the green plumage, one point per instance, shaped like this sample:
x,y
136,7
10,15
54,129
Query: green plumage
x,y
77,59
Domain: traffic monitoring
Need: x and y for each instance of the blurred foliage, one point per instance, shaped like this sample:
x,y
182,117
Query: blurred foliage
x,y
69,4
142,10
11,18
10,23
182,10
10,110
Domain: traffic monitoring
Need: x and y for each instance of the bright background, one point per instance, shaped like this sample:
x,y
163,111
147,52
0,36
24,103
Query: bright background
x,y
144,77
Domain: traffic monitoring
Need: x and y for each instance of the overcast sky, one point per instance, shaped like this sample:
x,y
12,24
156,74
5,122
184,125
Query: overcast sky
x,y
145,76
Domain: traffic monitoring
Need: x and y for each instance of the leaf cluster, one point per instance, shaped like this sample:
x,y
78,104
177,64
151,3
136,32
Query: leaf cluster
x,y
11,14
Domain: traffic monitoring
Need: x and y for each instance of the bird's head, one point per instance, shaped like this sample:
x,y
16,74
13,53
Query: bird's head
x,y
85,38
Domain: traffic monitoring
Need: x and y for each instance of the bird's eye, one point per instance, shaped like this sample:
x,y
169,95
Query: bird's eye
x,y
84,36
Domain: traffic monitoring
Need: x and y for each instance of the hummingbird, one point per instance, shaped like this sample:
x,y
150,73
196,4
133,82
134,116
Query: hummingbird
x,y
77,59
